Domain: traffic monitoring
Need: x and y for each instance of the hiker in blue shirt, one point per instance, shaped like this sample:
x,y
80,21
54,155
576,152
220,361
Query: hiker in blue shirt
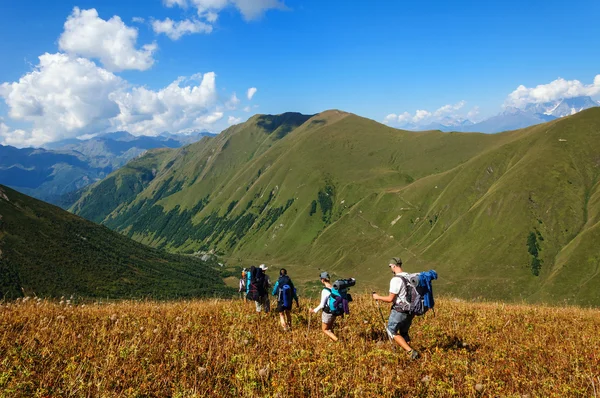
x,y
286,293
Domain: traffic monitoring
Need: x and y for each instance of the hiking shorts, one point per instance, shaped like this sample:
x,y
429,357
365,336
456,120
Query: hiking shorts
x,y
399,323
281,307
328,319
263,304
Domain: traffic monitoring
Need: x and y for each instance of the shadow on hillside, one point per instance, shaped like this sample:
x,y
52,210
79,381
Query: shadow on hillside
x,y
452,343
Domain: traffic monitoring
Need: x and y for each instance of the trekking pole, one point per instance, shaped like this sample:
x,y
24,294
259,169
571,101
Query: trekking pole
x,y
387,333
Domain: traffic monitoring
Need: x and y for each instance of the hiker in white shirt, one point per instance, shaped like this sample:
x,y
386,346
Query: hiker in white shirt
x,y
400,316
327,319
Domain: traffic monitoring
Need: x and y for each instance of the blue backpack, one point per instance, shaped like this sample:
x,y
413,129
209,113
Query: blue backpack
x,y
286,292
339,298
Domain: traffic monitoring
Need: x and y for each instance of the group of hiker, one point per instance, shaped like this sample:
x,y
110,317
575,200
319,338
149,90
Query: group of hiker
x,y
410,295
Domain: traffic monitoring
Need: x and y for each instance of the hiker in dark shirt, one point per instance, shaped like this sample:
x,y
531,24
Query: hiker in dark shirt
x,y
263,303
286,292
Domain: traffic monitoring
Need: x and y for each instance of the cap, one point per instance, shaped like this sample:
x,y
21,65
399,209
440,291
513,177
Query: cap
x,y
263,267
324,275
395,261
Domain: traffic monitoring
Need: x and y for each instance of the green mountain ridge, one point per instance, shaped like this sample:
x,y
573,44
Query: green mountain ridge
x,y
48,252
511,216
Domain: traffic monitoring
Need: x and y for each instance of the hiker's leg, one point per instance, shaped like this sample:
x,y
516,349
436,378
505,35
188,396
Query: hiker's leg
x,y
282,320
328,332
404,327
267,304
395,324
327,322
258,305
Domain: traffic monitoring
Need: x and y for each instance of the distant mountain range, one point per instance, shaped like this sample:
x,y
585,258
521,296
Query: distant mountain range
x,y
65,166
513,118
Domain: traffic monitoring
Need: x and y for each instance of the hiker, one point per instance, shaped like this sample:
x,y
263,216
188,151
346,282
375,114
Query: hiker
x,y
242,287
286,292
327,318
400,316
258,289
263,303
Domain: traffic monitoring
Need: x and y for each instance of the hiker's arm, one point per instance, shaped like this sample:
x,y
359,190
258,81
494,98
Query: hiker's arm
x,y
295,296
274,292
324,297
386,299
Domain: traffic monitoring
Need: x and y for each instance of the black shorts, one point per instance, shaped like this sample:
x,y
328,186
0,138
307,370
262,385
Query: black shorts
x,y
281,307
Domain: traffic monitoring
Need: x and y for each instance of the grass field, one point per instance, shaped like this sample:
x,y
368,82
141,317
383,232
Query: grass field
x,y
223,348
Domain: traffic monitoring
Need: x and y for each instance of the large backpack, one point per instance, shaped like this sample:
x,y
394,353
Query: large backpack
x,y
286,292
337,303
258,284
415,296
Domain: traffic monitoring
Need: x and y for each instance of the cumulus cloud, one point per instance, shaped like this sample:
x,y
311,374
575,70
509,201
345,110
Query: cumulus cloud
x,y
208,119
251,92
175,108
450,114
112,42
231,120
175,29
138,20
233,102
66,96
247,109
555,90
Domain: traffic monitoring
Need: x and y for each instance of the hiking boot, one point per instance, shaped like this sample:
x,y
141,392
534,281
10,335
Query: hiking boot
x,y
414,354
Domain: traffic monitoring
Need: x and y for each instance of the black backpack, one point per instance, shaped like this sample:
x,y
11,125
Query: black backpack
x,y
258,284
414,298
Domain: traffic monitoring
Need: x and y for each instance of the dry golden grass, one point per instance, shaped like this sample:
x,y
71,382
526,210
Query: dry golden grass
x,y
223,348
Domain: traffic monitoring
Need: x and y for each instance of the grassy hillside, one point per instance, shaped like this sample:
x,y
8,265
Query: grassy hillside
x,y
510,216
223,348
47,251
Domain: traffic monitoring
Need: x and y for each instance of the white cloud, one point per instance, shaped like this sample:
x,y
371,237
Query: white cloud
x,y
557,89
138,20
209,9
65,96
233,102
173,3
175,29
112,42
253,9
233,120
208,119
174,108
421,115
251,92
450,114
15,137
247,109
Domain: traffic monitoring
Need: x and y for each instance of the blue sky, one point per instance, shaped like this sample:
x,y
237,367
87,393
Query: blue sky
x,y
373,58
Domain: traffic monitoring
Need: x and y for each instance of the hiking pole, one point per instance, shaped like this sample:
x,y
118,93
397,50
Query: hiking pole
x,y
384,326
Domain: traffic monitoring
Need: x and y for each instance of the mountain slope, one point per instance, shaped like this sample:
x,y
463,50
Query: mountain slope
x,y
505,216
49,252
